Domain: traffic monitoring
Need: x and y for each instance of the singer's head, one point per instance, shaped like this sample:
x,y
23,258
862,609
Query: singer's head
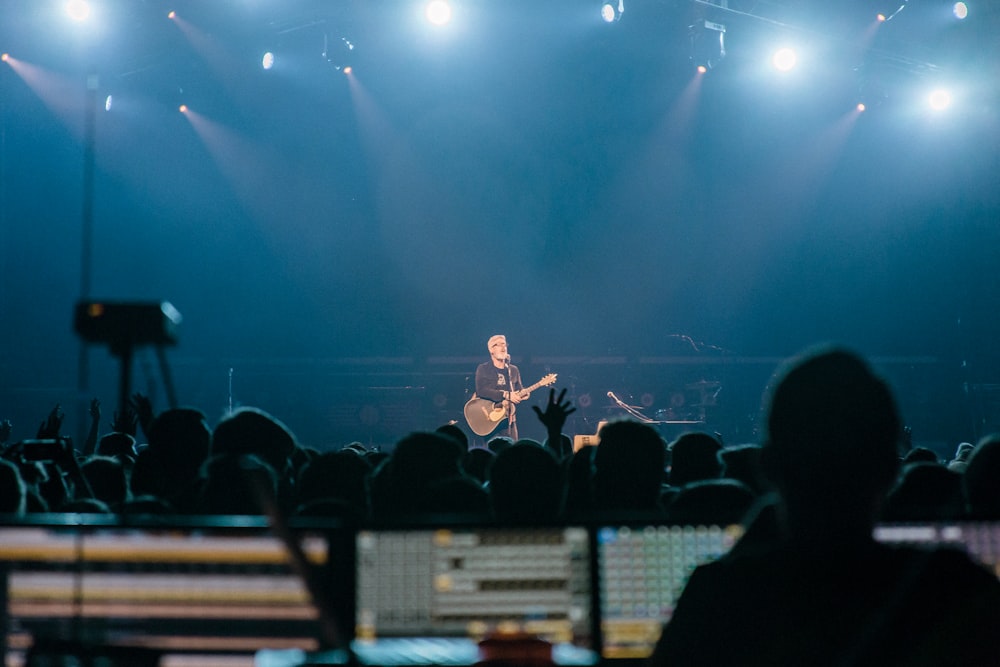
x,y
496,341
498,350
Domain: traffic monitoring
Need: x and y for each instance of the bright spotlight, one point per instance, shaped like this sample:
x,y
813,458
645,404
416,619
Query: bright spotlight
x,y
267,62
183,108
861,106
171,14
5,57
880,18
702,69
939,99
348,69
108,102
612,11
78,10
784,59
960,10
438,12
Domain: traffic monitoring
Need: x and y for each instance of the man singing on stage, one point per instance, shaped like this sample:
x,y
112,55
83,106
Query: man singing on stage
x,y
499,381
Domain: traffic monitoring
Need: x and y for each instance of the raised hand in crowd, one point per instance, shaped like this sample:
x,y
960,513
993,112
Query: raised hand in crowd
x,y
126,421
557,410
52,424
95,424
143,408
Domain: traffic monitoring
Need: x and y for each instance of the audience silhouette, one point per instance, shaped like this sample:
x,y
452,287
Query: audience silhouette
x,y
982,478
628,468
825,592
526,483
808,583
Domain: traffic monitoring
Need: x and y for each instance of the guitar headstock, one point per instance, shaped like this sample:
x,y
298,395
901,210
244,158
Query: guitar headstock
x,y
547,380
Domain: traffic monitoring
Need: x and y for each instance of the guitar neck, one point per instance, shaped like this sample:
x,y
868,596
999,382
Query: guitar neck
x,y
548,379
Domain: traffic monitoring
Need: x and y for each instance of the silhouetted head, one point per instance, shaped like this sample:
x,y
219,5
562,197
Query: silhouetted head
x,y
477,463
920,455
107,478
981,476
832,431
13,491
420,458
453,431
343,475
961,460
499,443
253,431
925,490
711,502
183,433
694,456
628,466
742,463
526,482
117,445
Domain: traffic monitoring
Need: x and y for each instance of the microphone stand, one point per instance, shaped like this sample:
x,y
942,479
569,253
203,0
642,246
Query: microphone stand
x,y
511,417
631,409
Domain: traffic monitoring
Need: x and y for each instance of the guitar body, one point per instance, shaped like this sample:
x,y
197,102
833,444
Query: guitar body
x,y
484,416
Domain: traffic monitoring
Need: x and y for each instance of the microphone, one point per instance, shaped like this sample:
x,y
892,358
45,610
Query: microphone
x,y
507,358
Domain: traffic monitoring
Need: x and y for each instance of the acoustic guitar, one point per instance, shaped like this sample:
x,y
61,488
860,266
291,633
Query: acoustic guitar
x,y
484,415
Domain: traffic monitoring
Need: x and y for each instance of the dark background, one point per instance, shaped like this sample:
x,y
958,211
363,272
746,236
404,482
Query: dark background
x,y
341,247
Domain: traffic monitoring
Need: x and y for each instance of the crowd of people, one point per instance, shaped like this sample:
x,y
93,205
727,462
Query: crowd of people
x,y
806,584
175,462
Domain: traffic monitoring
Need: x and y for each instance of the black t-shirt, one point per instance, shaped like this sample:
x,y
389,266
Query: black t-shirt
x,y
491,381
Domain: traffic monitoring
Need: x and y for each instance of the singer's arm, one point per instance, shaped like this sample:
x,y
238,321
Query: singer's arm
x,y
515,380
486,383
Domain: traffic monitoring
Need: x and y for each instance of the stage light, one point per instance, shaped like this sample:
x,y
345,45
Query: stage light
x,y
78,10
438,12
108,103
267,62
171,14
707,44
5,57
702,69
960,10
348,69
611,11
880,18
939,99
784,59
861,106
183,108
339,54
